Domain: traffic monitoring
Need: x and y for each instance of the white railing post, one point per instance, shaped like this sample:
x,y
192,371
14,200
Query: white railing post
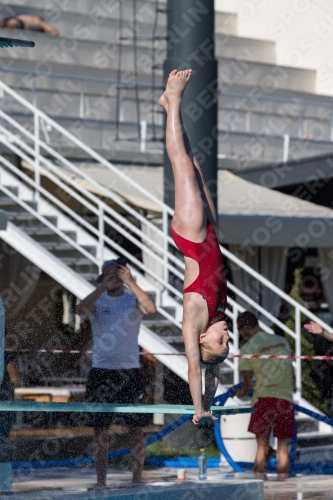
x,y
37,155
165,228
121,105
100,236
143,135
34,91
286,142
235,312
82,104
298,353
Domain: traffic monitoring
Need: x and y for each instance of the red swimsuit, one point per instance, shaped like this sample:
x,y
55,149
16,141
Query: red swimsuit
x,y
211,282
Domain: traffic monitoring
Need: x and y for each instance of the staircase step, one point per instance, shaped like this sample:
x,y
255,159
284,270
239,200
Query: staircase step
x,y
315,454
306,426
66,250
13,189
172,339
84,267
8,205
314,439
156,317
87,60
22,219
157,324
45,234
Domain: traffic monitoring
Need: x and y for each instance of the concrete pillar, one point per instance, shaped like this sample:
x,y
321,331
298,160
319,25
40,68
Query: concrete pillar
x,y
191,45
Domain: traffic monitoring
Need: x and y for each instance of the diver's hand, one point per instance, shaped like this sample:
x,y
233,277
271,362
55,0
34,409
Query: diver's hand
x,y
201,417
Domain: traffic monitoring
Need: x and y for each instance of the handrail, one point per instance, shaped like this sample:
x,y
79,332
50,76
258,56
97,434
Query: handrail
x,y
91,207
80,220
274,288
87,193
86,148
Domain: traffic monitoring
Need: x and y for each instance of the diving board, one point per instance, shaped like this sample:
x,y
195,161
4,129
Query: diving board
x,y
14,42
116,408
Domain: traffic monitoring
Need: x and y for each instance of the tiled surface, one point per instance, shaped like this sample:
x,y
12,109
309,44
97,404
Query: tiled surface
x,y
300,488
65,482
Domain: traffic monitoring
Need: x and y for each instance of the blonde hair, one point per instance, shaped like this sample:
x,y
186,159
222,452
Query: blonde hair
x,y
209,357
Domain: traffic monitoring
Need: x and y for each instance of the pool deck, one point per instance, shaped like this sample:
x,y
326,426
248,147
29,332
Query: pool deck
x,y
77,484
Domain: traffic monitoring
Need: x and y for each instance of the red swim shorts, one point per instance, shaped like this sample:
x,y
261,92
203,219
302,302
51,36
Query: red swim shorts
x,y
275,413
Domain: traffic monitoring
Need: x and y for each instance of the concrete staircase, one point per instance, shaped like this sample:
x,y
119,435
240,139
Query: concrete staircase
x,y
89,47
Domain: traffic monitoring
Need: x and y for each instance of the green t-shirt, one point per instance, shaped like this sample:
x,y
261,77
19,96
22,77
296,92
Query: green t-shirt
x,y
274,377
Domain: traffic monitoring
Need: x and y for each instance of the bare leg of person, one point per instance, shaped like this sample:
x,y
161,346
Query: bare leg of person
x,y
210,207
261,457
190,217
137,453
101,440
283,466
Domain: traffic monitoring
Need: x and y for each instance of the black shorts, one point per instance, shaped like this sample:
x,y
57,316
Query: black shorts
x,y
116,386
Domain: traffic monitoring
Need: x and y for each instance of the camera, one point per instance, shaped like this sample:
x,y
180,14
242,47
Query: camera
x,y
122,261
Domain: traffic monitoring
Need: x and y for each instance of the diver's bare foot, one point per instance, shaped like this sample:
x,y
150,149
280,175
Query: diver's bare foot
x,y
176,84
163,100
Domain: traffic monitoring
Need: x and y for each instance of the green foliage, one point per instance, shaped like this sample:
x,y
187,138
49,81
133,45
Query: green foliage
x,y
310,391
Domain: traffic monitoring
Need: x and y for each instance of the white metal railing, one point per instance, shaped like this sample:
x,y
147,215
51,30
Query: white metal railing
x,y
130,223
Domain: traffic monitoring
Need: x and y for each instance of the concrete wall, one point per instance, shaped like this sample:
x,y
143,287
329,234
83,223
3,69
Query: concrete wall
x,y
302,31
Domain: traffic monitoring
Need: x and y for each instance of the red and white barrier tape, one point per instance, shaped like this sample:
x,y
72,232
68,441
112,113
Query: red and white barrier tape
x,y
71,351
234,356
271,356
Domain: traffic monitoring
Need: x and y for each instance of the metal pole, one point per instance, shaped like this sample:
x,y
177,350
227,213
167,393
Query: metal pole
x,y
37,156
34,93
235,312
191,45
286,142
82,97
298,353
143,135
165,246
101,236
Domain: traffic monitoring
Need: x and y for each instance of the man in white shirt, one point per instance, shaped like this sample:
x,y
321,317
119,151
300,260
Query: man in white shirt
x,y
115,377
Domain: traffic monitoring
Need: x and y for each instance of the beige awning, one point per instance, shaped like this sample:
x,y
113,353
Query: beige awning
x,y
248,213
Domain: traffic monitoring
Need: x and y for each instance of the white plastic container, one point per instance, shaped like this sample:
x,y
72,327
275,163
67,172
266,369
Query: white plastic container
x,y
240,444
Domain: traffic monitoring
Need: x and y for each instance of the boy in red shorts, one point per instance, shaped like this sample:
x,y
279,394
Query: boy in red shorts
x,y
272,394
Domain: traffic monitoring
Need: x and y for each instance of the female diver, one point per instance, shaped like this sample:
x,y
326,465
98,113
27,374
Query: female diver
x,y
205,296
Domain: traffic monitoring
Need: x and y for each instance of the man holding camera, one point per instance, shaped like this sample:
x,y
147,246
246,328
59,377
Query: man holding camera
x,y
115,377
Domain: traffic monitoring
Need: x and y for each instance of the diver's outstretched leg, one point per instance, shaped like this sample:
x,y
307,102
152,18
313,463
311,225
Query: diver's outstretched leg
x,y
190,215
184,164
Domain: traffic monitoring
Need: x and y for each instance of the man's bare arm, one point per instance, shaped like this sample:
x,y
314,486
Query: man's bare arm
x,y
145,303
14,374
86,306
247,387
316,329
